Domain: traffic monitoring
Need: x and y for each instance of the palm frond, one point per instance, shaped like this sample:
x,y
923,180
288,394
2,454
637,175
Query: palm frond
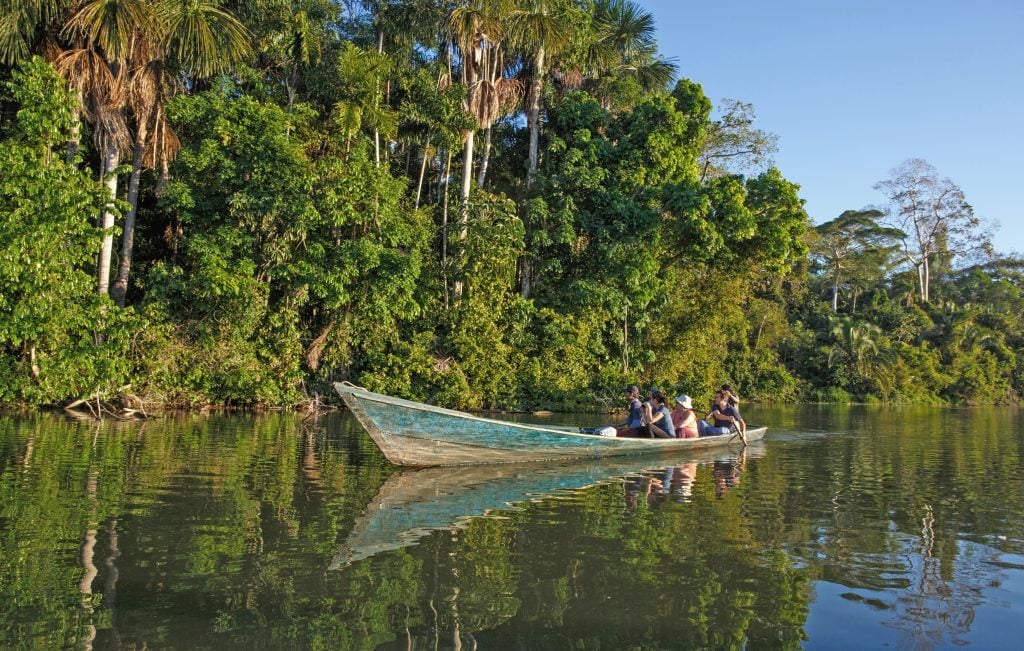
x,y
204,38
112,25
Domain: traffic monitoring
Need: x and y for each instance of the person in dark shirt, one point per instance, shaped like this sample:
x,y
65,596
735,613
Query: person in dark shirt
x,y
734,402
715,425
727,416
634,417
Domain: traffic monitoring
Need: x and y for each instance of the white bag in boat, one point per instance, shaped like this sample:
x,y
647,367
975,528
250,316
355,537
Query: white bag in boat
x,y
607,431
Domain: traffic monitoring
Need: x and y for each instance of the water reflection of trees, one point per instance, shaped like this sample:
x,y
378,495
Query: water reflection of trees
x,y
205,529
196,511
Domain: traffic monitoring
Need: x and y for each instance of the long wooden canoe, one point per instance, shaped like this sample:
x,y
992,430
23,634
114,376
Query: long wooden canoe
x,y
414,434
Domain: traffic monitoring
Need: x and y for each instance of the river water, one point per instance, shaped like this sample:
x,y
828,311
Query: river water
x,y
848,527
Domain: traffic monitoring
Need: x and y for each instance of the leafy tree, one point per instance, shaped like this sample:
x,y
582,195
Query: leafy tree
x,y
934,216
859,346
853,245
733,144
49,315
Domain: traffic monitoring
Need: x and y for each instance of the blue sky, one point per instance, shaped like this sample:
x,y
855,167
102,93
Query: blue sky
x,y
855,88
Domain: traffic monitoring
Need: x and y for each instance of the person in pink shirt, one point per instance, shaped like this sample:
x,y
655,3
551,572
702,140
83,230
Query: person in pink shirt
x,y
684,418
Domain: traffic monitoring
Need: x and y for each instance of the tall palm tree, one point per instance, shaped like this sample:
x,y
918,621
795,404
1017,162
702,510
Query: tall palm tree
x,y
196,38
477,31
114,53
102,34
361,76
542,28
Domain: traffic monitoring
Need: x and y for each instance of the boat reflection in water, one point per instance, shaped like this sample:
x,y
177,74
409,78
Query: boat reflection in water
x,y
413,502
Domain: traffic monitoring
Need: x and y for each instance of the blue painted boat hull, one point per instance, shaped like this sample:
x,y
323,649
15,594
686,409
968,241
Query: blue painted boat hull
x,y
414,434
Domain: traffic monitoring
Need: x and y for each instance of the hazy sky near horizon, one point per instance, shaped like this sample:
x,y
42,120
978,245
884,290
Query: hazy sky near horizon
x,y
854,89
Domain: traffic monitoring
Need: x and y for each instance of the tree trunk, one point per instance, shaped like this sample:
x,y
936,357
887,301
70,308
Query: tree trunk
x,y
376,133
120,287
74,136
467,167
467,182
525,284
760,332
111,159
533,114
533,121
625,340
835,294
925,280
423,170
444,230
921,281
484,158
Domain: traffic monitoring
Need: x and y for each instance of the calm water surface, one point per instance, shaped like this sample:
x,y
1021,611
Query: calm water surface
x,y
847,528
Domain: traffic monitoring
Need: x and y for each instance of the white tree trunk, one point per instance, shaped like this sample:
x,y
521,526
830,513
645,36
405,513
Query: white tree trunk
x,y
111,159
467,183
925,280
922,287
533,114
376,133
467,166
423,170
484,158
444,232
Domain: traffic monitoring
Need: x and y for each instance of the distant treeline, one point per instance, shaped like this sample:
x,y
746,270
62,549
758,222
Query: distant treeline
x,y
496,203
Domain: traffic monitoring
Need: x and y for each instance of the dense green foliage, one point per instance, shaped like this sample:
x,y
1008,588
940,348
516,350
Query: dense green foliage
x,y
295,222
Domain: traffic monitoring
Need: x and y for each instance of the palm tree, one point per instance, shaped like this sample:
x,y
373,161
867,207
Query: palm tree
x,y
622,43
114,54
477,32
361,76
25,25
200,39
543,28
103,34
858,345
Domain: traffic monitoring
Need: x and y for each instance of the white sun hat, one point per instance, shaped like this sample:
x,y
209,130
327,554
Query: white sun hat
x,y
685,401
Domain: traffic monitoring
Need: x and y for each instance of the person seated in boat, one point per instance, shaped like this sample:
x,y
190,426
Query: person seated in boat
x,y
658,422
734,402
634,417
686,421
727,417
720,423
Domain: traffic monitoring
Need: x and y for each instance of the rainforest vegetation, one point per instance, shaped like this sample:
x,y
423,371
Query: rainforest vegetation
x,y
483,203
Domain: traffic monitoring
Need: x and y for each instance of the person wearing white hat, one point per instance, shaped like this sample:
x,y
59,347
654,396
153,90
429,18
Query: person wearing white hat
x,y
687,426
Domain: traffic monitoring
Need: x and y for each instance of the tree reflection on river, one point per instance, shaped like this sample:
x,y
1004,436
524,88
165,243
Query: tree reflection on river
x,y
847,527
